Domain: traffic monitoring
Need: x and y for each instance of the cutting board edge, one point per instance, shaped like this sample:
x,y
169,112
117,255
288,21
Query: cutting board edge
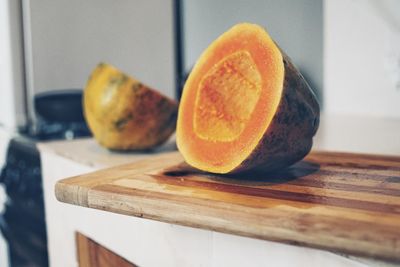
x,y
71,194
392,257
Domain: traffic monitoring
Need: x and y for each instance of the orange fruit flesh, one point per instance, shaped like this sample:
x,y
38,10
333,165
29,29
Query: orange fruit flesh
x,y
226,98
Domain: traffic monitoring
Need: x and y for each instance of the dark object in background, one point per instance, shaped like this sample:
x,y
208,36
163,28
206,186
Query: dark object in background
x,y
59,115
61,105
23,222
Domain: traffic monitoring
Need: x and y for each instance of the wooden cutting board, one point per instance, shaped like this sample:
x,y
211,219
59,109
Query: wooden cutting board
x,y
340,202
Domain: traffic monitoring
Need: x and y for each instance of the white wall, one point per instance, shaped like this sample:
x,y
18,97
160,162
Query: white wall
x,y
65,39
297,26
362,57
349,50
69,37
11,75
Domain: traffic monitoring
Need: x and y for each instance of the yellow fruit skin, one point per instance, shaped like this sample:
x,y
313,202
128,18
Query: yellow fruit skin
x,y
124,114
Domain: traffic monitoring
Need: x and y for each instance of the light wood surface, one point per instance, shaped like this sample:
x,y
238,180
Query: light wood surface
x,y
92,254
341,202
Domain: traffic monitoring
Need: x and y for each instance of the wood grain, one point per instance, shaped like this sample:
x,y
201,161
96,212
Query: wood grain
x,y
92,254
335,201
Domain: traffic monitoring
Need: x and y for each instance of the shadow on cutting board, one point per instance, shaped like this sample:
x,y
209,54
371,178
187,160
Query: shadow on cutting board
x,y
296,171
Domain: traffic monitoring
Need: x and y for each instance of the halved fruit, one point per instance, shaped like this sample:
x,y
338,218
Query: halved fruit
x,y
124,114
245,106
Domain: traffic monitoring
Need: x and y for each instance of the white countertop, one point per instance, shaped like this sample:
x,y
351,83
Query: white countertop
x,y
184,246
336,133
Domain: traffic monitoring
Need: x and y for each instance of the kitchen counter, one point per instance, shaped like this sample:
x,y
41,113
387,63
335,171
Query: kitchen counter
x,y
138,240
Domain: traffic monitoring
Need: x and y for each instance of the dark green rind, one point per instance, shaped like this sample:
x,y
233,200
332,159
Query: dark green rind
x,y
289,137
